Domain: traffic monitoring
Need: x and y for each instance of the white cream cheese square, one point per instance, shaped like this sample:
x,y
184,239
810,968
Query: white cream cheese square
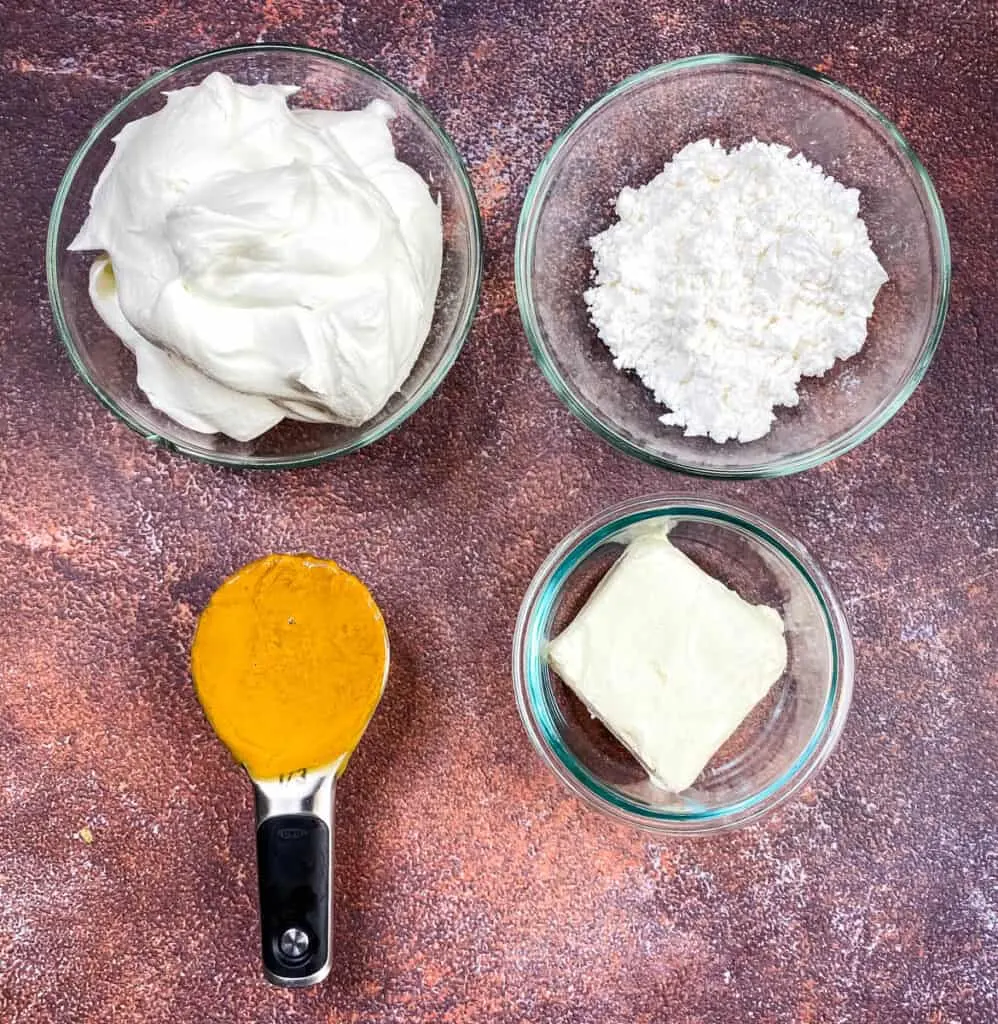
x,y
669,658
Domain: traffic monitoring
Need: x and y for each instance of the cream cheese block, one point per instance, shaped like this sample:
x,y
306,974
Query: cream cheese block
x,y
669,658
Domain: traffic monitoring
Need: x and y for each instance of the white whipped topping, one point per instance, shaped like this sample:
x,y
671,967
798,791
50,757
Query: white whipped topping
x,y
727,278
263,262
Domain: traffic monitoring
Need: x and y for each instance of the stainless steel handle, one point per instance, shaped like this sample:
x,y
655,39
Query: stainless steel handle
x,y
294,843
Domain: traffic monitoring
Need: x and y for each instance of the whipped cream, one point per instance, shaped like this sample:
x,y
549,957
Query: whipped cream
x,y
263,262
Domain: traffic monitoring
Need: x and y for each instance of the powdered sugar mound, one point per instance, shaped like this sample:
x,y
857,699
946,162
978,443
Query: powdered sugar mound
x,y
727,278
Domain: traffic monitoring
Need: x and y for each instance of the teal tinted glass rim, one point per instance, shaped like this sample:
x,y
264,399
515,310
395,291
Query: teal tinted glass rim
x,y
268,462
529,658
526,240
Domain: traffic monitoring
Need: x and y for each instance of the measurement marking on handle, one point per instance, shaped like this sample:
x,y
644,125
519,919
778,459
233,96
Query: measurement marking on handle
x,y
290,833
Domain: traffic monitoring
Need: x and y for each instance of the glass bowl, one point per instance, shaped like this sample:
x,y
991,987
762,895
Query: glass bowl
x,y
785,738
625,138
327,81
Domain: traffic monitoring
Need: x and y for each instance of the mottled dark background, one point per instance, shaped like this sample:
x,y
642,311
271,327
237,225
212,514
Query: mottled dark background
x,y
469,886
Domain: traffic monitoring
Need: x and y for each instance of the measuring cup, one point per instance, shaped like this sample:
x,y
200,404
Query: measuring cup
x,y
256,610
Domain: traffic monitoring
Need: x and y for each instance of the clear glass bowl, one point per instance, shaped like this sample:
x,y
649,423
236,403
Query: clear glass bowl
x,y
328,81
625,138
777,748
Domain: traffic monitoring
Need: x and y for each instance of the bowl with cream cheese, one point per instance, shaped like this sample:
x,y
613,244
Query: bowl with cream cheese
x,y
732,266
682,665
265,256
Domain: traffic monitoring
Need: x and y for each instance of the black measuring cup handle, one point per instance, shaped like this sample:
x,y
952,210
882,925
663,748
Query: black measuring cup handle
x,y
294,853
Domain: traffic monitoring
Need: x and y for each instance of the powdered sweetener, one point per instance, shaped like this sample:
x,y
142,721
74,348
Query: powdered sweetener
x,y
727,278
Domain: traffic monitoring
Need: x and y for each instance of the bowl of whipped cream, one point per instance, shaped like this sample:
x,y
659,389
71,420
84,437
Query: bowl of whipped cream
x,y
732,266
265,256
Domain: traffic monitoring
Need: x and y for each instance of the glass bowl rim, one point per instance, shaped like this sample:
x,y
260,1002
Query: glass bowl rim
x,y
526,233
440,371
528,683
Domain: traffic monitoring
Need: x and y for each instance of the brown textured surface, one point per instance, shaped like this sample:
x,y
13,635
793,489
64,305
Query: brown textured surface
x,y
469,887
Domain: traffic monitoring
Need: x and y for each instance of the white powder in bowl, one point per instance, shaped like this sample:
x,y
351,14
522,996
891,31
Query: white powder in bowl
x,y
727,278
